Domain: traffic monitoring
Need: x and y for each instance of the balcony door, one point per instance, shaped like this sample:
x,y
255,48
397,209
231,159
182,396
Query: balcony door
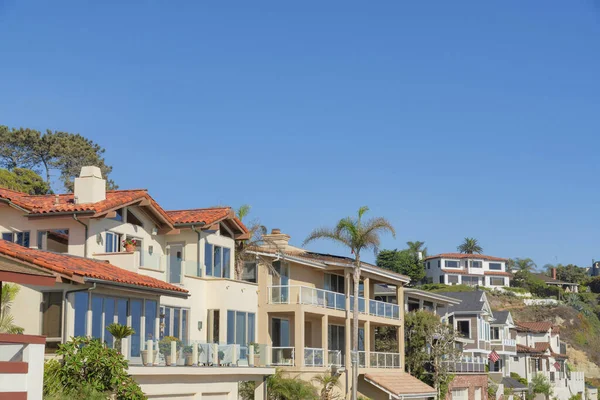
x,y
175,263
281,281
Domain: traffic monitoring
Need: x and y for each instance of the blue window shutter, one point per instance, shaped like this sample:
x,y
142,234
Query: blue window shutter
x,y
109,242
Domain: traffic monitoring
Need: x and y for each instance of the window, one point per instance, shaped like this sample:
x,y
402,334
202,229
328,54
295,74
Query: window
x,y
516,359
21,238
452,264
495,266
240,327
476,264
217,261
442,279
496,367
52,318
453,279
112,243
55,240
212,331
460,394
495,281
81,307
470,280
174,322
280,331
249,274
495,333
464,328
428,264
336,337
334,283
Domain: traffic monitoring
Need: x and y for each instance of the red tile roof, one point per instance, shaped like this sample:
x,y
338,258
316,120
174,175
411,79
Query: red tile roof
x,y
461,256
529,350
206,215
400,384
50,203
84,267
535,327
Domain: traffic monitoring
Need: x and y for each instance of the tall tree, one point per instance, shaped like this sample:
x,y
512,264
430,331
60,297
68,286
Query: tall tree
x,y
8,294
470,246
23,180
404,262
524,265
357,235
61,151
417,247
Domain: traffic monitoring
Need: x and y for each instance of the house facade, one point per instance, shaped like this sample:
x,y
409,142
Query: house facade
x,y
305,319
121,258
540,351
467,269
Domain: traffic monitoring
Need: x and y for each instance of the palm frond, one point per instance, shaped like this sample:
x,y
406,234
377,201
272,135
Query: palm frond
x,y
362,211
243,211
326,233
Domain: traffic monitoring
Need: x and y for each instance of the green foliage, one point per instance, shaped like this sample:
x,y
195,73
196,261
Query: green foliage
x,y
61,151
120,332
386,339
417,247
404,262
23,180
518,378
440,288
284,388
571,273
328,384
576,397
418,326
516,289
541,385
88,366
524,264
164,345
470,246
594,285
8,295
535,285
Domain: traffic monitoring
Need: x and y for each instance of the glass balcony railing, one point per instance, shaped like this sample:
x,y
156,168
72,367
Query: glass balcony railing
x,y
314,357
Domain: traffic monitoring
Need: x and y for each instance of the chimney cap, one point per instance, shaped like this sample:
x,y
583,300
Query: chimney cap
x,y
91,171
275,231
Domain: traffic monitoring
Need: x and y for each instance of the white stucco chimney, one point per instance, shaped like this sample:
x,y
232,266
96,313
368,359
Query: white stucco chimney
x,y
90,187
277,239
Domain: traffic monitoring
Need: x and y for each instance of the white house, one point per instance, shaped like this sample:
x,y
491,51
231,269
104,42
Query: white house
x,y
119,257
467,269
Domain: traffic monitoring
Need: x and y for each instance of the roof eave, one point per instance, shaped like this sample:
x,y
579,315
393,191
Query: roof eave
x,y
166,292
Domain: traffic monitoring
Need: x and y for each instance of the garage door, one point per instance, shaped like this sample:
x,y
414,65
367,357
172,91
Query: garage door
x,y
460,394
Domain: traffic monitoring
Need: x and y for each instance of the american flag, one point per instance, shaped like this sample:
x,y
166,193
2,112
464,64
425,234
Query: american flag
x,y
494,357
557,366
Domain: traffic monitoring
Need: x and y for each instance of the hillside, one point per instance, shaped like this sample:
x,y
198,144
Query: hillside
x,y
579,327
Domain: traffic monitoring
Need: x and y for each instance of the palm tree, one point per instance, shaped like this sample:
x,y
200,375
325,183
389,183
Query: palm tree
x,y
470,246
524,264
256,232
119,332
417,247
357,235
8,294
328,382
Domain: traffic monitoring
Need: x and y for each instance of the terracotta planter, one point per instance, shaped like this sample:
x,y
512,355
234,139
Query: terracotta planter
x,y
145,360
168,360
256,360
129,248
188,359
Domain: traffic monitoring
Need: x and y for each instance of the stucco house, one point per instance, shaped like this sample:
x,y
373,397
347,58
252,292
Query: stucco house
x,y
467,269
120,257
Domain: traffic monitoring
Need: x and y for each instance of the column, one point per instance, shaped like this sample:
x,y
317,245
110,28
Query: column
x,y
299,338
367,328
325,338
367,290
259,390
400,333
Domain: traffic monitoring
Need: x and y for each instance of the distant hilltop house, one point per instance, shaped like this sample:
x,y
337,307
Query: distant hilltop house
x,y
594,270
467,269
568,287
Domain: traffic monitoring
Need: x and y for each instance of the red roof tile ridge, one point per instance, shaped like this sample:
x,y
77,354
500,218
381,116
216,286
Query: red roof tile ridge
x,y
202,209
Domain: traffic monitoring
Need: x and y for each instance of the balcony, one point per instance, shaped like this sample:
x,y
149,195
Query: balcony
x,y
332,300
315,357
507,345
467,365
379,359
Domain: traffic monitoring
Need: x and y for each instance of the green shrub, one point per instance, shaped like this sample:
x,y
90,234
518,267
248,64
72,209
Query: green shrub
x,y
518,377
440,287
88,368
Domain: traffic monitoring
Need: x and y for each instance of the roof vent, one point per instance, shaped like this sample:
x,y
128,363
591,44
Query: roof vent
x,y
275,231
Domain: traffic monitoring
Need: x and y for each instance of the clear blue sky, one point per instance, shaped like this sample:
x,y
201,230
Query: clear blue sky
x,y
450,118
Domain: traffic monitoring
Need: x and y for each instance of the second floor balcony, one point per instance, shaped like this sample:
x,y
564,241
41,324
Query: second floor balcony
x,y
332,300
317,357
467,365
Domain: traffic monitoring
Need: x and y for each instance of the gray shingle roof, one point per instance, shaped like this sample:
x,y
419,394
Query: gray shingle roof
x,y
470,301
501,317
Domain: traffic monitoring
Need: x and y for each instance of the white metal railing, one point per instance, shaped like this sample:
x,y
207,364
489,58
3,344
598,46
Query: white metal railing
x,y
313,357
327,299
383,309
384,360
509,342
467,364
334,357
322,298
283,356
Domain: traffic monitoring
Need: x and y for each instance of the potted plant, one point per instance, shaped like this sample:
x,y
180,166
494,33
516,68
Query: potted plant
x,y
145,360
129,245
119,332
256,353
187,353
165,347
221,355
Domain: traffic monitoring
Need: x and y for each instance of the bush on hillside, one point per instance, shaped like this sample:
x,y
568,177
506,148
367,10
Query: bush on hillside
x,y
440,287
594,285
